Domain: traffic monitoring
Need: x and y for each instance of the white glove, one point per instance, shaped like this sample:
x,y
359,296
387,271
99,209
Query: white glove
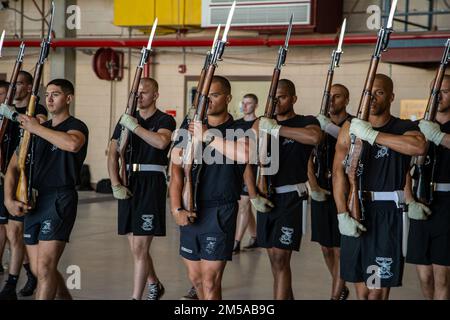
x,y
262,204
129,122
349,226
8,112
269,126
363,130
431,131
418,211
319,194
121,192
323,120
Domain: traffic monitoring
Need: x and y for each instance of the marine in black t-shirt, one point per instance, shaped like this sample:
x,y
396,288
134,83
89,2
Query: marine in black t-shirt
x,y
429,233
142,203
324,223
376,240
210,236
280,230
58,152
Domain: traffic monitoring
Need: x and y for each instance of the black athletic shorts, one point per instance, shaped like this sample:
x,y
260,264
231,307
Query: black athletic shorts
x,y
282,227
144,214
211,236
324,223
53,217
375,257
429,240
4,214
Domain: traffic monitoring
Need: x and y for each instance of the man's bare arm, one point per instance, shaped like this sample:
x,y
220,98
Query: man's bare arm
x,y
340,180
412,143
159,140
113,163
310,135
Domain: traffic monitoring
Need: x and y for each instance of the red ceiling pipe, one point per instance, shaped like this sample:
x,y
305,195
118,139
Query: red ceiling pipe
x,y
237,42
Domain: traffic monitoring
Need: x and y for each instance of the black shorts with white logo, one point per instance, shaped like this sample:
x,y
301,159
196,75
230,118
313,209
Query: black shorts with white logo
x,y
282,226
324,223
4,214
53,217
375,257
429,240
144,214
211,236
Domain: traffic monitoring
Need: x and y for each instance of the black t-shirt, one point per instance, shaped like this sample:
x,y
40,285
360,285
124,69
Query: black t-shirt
x,y
331,150
442,169
220,182
11,138
244,124
293,156
141,152
385,169
54,168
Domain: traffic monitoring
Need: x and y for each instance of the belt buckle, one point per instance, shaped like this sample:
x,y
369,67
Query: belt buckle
x,y
136,167
367,196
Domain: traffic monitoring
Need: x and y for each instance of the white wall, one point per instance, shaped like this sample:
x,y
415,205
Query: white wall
x,y
305,66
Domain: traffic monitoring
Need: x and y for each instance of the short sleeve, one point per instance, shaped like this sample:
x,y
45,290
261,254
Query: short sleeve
x,y
311,120
167,122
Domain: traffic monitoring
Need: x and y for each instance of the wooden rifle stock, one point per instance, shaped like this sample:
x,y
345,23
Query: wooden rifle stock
x,y
264,141
24,191
353,162
320,152
190,182
425,187
262,182
23,194
125,134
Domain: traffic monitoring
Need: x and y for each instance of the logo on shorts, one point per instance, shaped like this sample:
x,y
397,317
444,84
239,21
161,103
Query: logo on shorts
x,y
382,152
286,237
211,245
147,225
186,250
384,270
53,148
46,227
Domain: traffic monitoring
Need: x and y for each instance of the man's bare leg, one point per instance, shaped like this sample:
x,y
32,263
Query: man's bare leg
x,y
426,278
195,276
441,282
280,261
14,232
212,272
49,253
143,264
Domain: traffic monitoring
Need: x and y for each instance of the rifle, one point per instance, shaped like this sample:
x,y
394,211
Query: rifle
x,y
191,180
24,192
353,163
125,135
8,102
263,183
190,115
320,154
425,187
208,61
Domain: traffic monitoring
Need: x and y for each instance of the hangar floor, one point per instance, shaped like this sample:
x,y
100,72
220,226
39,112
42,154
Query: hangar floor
x,y
106,263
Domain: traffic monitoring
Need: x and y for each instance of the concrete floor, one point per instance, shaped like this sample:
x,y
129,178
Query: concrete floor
x,y
106,263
